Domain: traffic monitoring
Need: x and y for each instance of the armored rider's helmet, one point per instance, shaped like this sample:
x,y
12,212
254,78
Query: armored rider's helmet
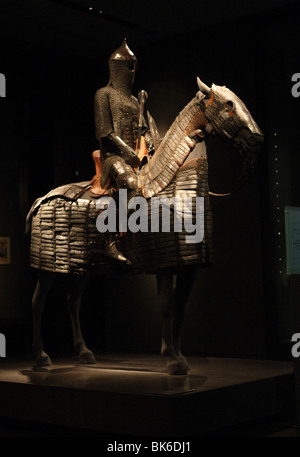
x,y
122,67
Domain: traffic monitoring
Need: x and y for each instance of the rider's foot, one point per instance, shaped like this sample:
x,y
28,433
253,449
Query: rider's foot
x,y
111,250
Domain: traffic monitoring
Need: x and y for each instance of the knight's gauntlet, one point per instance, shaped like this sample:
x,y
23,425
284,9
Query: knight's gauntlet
x,y
125,151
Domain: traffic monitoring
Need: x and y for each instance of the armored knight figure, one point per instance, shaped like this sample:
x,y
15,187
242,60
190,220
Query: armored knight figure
x,y
116,113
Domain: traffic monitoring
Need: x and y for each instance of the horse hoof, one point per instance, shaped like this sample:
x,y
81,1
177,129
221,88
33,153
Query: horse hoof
x,y
43,361
175,367
87,357
183,362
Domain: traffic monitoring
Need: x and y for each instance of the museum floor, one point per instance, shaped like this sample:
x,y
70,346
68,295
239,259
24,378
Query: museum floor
x,y
131,395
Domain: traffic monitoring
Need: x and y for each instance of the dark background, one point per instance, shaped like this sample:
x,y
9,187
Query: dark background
x,y
54,56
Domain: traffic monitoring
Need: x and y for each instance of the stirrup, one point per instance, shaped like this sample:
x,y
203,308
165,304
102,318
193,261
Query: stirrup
x,y
110,250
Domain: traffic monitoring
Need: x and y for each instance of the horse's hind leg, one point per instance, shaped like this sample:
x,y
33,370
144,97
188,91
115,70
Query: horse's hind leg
x,y
166,303
77,286
44,283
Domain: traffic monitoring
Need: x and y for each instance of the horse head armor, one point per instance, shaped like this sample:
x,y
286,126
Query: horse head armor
x,y
228,116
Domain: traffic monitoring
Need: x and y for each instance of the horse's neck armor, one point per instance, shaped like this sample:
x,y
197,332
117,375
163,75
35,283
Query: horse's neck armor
x,y
173,150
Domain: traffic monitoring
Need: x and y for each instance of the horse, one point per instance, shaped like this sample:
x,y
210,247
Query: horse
x,y
65,239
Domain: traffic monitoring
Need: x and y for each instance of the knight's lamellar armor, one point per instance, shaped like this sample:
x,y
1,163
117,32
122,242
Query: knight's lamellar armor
x,y
115,113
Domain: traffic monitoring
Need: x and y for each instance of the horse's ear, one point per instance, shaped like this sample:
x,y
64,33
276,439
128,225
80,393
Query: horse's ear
x,y
203,87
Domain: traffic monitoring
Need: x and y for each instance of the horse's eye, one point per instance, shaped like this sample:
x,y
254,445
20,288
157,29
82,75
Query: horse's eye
x,y
228,106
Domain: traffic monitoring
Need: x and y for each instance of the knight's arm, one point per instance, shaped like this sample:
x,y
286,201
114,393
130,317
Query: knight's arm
x,y
122,149
109,141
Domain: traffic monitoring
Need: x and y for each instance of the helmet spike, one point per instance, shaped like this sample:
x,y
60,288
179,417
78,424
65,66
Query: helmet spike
x,y
123,53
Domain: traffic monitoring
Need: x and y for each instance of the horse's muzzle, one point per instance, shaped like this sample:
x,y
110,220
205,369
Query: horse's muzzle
x,y
248,140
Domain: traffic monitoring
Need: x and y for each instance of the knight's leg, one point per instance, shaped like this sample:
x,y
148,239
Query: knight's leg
x,y
184,284
166,304
125,178
77,286
44,283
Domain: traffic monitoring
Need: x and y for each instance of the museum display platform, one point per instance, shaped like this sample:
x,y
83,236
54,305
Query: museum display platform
x,y
131,394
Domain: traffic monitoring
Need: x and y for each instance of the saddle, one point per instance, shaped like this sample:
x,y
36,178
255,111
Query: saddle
x,y
96,189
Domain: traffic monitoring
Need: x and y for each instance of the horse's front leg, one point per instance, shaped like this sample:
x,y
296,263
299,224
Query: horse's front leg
x,y
77,286
184,284
44,284
166,304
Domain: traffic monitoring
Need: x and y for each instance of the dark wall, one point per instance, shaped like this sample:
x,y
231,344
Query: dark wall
x,y
240,305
